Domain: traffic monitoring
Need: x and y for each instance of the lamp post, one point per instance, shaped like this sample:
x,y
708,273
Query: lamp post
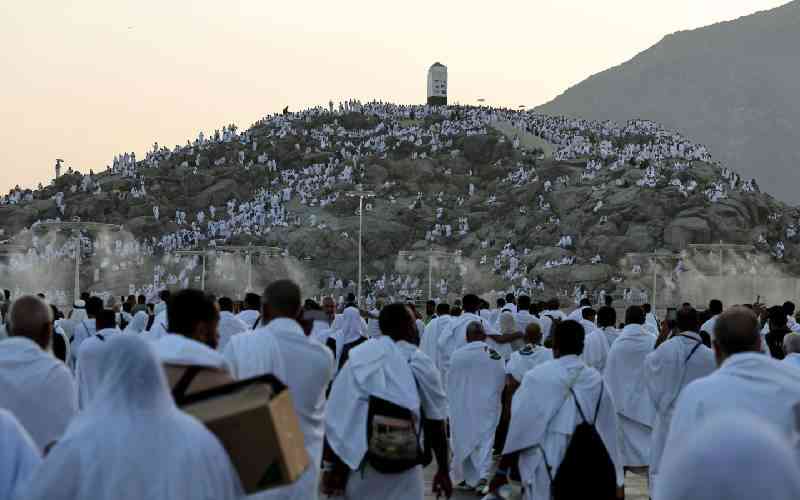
x,y
202,254
360,193
248,251
654,258
431,254
77,226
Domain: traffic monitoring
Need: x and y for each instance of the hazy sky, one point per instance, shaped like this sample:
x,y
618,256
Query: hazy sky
x,y
86,79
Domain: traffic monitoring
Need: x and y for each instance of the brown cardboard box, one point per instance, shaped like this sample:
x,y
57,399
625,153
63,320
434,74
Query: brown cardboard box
x,y
256,423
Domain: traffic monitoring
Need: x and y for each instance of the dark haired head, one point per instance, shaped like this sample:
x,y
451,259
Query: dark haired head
x,y
471,303
194,314
397,322
282,299
715,307
225,304
634,316
94,306
252,301
568,337
606,316
686,319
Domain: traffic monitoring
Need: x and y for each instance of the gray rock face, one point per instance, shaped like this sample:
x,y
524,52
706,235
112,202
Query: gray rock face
x,y
687,230
731,86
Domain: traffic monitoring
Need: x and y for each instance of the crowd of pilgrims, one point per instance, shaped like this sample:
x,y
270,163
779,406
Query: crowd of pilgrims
x,y
664,157
559,404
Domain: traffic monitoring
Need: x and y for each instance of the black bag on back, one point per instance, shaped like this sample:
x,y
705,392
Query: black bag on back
x,y
587,470
393,444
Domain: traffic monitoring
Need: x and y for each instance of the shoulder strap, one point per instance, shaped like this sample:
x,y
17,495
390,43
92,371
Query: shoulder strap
x,y
599,400
258,320
580,411
101,337
179,391
697,345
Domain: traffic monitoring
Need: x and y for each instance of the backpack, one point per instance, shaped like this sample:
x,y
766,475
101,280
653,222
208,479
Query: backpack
x,y
393,442
587,470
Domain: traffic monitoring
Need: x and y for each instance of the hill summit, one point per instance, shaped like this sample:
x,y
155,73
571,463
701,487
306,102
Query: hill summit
x,y
466,198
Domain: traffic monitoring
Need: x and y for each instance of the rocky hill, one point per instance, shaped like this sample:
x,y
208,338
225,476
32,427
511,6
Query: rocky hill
x,y
522,200
731,86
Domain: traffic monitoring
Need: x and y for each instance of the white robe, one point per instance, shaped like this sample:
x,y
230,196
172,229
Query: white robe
x,y
544,416
745,383
624,376
159,327
229,325
132,443
611,334
19,455
173,349
88,373
248,317
306,367
474,395
82,330
430,338
37,388
526,359
595,346
349,329
667,370
792,359
716,461
137,324
394,371
454,336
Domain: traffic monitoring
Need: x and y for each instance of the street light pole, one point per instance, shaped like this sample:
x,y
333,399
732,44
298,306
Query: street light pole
x,y
361,194
77,226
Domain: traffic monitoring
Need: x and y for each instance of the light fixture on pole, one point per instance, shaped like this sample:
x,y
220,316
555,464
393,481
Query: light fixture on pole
x,y
431,255
248,251
76,227
360,193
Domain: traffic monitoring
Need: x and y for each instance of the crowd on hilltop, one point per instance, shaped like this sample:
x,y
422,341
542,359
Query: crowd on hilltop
x,y
310,158
514,398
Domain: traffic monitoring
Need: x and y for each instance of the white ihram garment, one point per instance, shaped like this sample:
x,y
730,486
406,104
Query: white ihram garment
x,y
229,325
394,371
132,443
717,459
453,336
544,416
476,384
281,348
430,338
667,370
88,370
745,383
624,376
526,359
37,388
595,346
19,455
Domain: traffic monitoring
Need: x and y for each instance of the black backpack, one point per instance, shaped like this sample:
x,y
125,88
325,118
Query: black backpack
x,y
587,470
393,443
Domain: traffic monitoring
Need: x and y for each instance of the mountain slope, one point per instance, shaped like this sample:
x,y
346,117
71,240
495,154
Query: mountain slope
x,y
732,86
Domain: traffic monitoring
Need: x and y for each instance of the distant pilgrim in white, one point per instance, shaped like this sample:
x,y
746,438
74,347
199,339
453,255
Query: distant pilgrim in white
x,y
437,85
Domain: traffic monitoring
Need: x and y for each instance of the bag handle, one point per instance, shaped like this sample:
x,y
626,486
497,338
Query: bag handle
x,y
179,391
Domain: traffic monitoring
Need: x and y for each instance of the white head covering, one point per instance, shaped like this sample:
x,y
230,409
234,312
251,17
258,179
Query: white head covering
x,y
18,455
351,328
730,458
507,323
79,311
138,324
132,442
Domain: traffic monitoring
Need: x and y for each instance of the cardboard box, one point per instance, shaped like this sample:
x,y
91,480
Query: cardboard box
x,y
255,421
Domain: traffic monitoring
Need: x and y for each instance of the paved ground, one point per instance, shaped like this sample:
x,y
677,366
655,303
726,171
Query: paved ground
x,y
635,488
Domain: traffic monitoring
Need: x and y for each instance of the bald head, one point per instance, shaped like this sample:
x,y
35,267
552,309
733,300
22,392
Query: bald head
x,y
736,330
475,332
31,317
791,343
